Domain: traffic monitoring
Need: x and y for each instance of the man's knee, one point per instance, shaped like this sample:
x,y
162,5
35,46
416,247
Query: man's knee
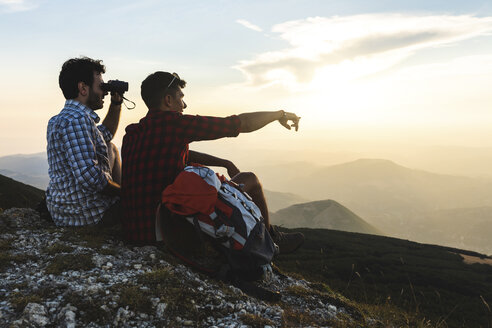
x,y
254,181
113,150
114,162
113,155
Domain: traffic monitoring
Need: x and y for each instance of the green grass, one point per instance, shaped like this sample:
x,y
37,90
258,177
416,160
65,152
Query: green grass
x,y
164,284
255,321
136,299
66,262
19,301
426,282
57,248
93,236
7,259
89,308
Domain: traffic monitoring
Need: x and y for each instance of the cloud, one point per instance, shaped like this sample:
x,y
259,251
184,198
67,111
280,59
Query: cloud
x,y
11,6
249,25
353,46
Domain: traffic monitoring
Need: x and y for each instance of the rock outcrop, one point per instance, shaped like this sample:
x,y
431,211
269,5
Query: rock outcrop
x,y
87,277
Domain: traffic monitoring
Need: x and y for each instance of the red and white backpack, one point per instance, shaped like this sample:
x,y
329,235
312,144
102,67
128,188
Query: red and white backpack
x,y
225,216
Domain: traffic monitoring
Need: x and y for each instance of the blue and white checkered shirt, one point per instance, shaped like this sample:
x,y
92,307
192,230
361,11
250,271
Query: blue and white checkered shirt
x,y
78,166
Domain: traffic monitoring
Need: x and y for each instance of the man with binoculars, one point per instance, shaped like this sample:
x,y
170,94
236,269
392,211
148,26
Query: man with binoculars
x,y
84,166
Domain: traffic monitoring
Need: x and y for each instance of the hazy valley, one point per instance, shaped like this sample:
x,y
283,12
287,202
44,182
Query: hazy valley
x,y
365,195
400,202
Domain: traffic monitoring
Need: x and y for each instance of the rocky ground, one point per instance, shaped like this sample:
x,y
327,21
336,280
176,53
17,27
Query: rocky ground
x,y
87,277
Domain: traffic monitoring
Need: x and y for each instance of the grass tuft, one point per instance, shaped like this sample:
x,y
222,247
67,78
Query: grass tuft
x,y
19,301
136,299
76,262
255,321
58,248
89,308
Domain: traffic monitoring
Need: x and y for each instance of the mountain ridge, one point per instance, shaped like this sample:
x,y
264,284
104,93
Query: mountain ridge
x,y
327,214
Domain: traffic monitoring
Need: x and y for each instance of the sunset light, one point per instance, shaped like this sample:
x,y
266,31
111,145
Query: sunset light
x,y
245,163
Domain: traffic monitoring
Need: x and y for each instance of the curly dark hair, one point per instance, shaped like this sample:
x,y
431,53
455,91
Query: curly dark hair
x,y
77,70
155,87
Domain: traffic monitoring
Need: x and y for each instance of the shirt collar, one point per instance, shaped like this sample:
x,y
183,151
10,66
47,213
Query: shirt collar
x,y
158,112
79,107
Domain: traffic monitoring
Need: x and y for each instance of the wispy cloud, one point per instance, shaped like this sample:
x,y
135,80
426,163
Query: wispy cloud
x,y
10,6
354,46
249,25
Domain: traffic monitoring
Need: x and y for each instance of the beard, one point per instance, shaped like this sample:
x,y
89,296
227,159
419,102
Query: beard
x,y
94,101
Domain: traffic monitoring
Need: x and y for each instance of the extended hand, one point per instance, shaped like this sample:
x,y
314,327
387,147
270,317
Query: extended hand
x,y
284,120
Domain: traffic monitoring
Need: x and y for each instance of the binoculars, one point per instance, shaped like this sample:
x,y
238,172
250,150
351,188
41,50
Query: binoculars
x,y
115,86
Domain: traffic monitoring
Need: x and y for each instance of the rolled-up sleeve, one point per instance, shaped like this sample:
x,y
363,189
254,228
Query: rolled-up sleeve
x,y
81,154
108,136
196,127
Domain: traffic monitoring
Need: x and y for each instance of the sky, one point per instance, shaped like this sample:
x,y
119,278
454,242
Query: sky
x,y
375,78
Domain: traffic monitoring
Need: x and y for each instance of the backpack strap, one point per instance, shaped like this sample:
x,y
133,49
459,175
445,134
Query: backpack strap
x,y
198,230
158,226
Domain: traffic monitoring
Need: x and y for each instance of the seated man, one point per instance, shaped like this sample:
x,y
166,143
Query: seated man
x,y
84,166
155,151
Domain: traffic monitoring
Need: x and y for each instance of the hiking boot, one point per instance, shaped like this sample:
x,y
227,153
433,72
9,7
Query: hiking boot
x,y
286,242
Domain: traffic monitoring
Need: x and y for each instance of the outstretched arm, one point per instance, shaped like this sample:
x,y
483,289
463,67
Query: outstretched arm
x,y
209,160
254,121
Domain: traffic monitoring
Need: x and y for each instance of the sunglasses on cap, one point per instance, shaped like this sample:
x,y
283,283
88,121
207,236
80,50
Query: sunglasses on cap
x,y
175,76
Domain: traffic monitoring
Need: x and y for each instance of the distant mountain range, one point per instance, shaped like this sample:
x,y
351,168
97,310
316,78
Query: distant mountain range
x,y
326,214
399,201
278,200
373,186
31,169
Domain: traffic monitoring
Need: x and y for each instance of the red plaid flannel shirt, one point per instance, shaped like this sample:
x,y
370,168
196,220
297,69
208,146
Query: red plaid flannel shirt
x,y
154,152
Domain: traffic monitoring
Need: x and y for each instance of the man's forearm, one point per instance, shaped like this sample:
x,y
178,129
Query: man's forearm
x,y
254,121
206,159
112,119
209,160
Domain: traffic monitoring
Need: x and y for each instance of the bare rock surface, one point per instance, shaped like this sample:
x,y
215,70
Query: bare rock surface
x,y
87,277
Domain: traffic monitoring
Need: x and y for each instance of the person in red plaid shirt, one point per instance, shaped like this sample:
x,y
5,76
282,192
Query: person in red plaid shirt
x,y
156,150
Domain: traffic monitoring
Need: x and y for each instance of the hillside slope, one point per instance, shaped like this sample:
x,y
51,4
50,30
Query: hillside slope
x,y
17,194
326,214
433,281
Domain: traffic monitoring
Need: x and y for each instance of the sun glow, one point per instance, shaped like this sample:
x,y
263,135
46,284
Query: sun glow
x,y
345,69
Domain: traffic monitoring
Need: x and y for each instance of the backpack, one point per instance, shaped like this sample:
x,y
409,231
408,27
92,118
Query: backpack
x,y
214,226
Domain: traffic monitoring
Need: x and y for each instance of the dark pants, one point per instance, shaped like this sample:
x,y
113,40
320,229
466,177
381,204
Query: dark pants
x,y
113,215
